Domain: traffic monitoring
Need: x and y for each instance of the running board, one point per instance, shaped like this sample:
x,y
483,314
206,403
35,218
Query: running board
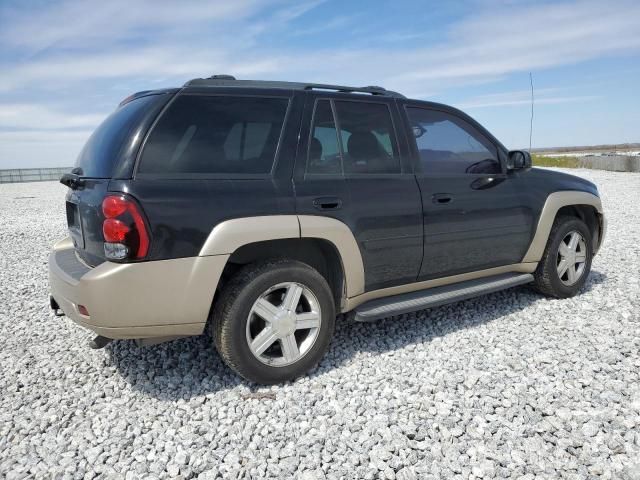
x,y
437,296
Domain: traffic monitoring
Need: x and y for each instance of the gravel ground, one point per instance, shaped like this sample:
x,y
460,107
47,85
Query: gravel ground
x,y
511,384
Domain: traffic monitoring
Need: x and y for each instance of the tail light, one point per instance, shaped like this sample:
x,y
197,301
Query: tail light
x,y
124,229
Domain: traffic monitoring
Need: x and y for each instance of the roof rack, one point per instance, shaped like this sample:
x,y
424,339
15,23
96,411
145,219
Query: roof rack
x,y
230,81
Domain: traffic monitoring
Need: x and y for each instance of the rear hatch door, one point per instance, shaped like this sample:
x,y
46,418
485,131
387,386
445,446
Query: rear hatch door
x,y
110,153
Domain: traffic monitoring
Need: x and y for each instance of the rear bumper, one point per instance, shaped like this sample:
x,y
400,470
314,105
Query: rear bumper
x,y
135,300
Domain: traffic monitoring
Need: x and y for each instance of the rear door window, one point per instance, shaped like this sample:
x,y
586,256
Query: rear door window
x,y
204,134
368,139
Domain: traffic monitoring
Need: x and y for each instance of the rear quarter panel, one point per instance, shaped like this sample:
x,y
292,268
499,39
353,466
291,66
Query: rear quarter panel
x,y
182,213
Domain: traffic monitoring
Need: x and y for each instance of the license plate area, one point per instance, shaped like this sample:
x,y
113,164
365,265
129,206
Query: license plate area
x,y
75,225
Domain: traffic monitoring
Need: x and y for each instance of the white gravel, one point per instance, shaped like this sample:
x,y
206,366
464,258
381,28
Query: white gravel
x,y
508,385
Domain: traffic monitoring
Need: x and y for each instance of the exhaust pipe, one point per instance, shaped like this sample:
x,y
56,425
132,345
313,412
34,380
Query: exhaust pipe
x,y
57,311
100,342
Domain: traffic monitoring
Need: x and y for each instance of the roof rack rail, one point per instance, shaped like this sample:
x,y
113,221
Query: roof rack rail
x,y
373,90
221,76
230,81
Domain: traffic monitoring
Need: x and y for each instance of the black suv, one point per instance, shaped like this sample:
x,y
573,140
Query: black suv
x,y
258,210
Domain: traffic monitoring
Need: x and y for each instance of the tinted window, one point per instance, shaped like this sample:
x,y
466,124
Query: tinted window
x,y
115,137
448,144
324,151
368,138
215,135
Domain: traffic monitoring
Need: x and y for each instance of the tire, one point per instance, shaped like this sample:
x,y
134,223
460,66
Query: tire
x,y
265,287
548,278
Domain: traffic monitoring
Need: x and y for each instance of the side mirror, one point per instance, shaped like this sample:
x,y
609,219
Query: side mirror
x,y
518,160
418,131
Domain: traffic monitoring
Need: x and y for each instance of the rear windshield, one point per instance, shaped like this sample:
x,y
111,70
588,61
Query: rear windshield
x,y
200,134
114,138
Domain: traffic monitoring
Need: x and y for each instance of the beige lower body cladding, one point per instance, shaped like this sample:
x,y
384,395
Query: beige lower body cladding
x,y
139,300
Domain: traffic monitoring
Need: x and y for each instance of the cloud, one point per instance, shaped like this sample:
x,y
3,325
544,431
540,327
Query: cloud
x,y
93,22
104,65
40,137
20,115
40,148
71,50
485,46
509,40
335,23
545,96
115,40
296,10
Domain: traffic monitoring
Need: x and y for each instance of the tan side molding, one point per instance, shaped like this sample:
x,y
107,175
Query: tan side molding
x,y
230,235
437,282
342,238
555,202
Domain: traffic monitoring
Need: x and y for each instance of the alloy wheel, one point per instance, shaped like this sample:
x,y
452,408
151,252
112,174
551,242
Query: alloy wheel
x,y
572,257
283,324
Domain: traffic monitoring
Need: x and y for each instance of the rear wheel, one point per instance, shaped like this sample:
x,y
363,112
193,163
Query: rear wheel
x,y
274,320
566,262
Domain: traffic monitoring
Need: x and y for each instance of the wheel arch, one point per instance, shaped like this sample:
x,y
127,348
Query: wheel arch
x,y
583,205
322,242
315,252
590,216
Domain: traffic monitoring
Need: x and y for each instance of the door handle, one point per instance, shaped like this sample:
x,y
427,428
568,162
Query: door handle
x,y
327,203
442,198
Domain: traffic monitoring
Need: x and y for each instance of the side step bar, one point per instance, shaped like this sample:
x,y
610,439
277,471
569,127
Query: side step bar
x,y
437,296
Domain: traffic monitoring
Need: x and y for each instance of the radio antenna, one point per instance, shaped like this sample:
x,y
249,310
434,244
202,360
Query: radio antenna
x,y
531,121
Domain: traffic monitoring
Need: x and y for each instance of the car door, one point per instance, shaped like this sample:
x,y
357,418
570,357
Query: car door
x,y
474,216
351,166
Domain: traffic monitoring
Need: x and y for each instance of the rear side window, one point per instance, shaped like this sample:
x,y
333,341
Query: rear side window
x,y
449,145
115,137
200,134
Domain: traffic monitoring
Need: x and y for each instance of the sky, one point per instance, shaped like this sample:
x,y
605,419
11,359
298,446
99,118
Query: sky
x,y
64,66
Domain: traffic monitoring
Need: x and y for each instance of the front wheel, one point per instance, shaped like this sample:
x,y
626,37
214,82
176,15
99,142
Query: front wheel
x,y
274,320
566,262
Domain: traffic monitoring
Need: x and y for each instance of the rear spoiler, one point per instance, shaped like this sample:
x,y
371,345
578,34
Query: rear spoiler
x,y
144,93
71,180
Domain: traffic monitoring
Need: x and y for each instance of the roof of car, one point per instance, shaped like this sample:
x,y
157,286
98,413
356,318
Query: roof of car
x,y
230,81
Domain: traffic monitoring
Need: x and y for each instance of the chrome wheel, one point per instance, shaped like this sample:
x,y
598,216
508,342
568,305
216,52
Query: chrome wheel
x,y
572,257
283,324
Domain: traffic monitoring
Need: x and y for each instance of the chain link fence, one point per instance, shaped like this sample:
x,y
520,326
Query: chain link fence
x,y
19,175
